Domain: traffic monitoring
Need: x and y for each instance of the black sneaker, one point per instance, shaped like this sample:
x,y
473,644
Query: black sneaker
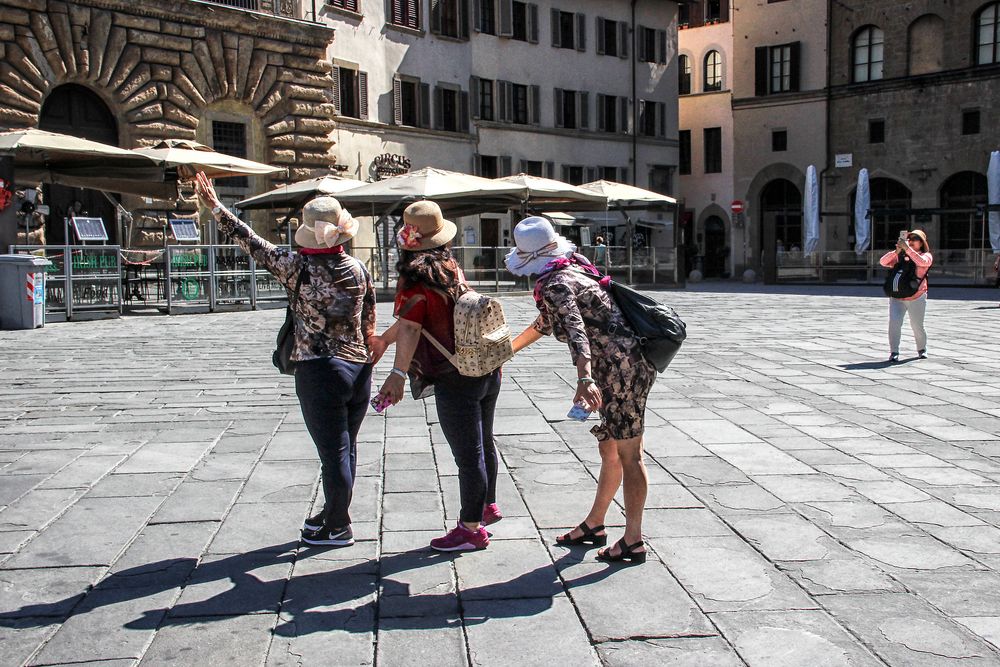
x,y
922,354
894,357
330,537
314,522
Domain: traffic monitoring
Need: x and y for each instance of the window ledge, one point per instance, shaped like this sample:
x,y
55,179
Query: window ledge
x,y
418,32
333,9
449,38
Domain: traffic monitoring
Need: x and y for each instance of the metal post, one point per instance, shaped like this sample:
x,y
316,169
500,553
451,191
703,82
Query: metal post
x,y
211,278
652,254
496,270
118,254
628,241
253,283
68,266
168,287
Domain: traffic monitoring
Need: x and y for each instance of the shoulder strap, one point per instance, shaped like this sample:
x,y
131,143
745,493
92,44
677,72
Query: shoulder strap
x,y
298,282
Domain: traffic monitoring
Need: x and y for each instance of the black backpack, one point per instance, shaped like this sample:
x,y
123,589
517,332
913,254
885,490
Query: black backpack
x,y
285,341
657,327
902,281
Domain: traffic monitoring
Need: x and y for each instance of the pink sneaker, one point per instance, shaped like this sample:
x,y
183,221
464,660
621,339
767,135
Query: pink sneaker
x,y
491,514
462,539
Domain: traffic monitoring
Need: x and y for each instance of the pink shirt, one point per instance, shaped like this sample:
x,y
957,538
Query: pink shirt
x,y
923,260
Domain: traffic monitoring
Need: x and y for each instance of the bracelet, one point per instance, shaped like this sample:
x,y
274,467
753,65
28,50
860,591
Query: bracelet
x,y
585,380
397,371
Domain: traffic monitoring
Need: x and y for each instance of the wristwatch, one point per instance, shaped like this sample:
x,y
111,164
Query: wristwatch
x,y
217,211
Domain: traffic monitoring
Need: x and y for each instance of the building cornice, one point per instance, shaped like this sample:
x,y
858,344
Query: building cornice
x,y
933,79
781,100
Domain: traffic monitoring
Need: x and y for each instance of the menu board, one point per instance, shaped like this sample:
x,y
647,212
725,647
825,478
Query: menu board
x,y
185,229
89,229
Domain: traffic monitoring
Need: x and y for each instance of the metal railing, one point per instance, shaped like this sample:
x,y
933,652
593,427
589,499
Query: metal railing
x,y
215,275
90,282
951,267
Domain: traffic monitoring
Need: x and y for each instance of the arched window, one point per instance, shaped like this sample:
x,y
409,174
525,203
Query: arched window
x,y
866,54
781,207
713,71
684,75
890,201
961,227
926,36
988,35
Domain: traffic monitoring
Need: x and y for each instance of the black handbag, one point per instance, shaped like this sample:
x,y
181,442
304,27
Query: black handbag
x,y
901,281
285,341
657,328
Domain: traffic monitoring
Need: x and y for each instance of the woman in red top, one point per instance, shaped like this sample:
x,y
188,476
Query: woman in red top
x,y
916,250
430,281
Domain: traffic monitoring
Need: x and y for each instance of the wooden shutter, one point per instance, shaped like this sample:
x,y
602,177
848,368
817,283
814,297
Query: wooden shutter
x,y
534,105
581,32
502,91
641,47
425,105
335,92
396,11
661,117
413,8
436,16
696,13
363,95
795,66
583,110
723,11
661,43
438,108
463,111
641,130
505,166
556,34
557,106
477,164
475,95
761,71
622,39
550,170
602,123
506,18
533,23
397,101
626,118
600,35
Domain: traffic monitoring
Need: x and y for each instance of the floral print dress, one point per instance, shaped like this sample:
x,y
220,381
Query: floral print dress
x,y
335,309
568,299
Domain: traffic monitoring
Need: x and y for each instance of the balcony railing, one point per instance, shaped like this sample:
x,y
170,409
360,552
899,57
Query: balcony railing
x,y
291,9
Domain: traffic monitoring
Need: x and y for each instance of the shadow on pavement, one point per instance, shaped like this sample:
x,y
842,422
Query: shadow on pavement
x,y
875,365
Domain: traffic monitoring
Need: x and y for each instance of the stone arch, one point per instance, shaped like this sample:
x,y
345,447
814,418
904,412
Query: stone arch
x,y
925,45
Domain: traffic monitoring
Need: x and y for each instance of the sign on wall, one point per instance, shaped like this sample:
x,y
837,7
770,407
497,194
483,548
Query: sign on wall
x,y
844,160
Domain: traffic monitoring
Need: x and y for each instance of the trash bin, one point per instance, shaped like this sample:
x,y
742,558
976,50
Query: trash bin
x,y
22,291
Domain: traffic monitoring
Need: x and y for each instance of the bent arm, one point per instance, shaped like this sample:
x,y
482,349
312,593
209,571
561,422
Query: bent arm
x,y
923,260
889,259
407,338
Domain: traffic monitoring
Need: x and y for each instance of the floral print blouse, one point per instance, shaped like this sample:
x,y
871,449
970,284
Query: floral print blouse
x,y
335,311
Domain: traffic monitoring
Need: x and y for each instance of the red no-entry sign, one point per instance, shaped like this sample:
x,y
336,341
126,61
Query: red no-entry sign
x,y
736,206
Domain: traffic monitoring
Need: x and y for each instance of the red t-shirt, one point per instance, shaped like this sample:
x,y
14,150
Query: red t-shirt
x,y
435,312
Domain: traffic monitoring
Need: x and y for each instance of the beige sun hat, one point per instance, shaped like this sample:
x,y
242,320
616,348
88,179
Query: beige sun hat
x,y
425,227
325,224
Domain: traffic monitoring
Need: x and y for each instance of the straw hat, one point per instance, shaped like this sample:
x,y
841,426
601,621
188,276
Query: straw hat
x,y
325,224
919,233
424,227
537,244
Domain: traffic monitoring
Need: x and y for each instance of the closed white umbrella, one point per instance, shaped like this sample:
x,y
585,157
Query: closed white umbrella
x,y
993,181
811,241
862,220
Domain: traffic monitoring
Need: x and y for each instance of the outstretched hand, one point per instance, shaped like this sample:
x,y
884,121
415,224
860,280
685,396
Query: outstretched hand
x,y
206,191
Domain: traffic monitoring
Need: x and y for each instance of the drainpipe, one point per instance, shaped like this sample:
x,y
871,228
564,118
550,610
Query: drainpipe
x,y
635,103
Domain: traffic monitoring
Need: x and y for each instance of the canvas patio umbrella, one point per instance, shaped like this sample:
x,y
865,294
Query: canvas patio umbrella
x,y
50,157
190,157
295,195
544,194
862,216
811,212
623,197
993,190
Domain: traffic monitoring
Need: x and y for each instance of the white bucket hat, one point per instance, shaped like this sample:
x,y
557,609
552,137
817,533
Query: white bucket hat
x,y
537,244
325,224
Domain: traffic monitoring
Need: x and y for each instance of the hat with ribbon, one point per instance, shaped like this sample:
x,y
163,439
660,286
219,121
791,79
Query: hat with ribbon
x,y
424,227
537,244
325,224
919,233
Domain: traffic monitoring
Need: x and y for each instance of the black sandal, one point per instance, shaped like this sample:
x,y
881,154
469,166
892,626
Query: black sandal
x,y
625,552
588,537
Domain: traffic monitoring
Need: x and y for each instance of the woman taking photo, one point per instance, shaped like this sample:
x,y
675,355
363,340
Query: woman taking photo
x,y
333,305
917,251
430,281
612,375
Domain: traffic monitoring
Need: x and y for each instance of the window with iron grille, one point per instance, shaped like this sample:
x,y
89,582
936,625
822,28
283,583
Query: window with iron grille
x,y
231,139
405,13
240,4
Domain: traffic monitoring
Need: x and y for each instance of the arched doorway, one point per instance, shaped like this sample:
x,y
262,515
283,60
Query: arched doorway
x,y
78,111
716,251
891,204
963,229
780,224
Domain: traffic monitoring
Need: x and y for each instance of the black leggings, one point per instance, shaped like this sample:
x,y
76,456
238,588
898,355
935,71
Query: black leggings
x,y
334,395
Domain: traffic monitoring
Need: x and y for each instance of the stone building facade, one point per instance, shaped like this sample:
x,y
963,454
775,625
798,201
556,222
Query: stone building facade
x,y
133,74
913,98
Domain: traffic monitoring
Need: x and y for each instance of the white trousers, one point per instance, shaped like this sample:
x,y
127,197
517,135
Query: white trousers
x,y
916,309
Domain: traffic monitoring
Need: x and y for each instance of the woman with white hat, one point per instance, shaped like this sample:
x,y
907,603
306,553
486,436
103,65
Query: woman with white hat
x,y
430,281
612,375
333,303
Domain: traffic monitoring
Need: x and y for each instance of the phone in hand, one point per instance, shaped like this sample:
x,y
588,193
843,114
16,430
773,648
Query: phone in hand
x,y
578,413
380,403
903,235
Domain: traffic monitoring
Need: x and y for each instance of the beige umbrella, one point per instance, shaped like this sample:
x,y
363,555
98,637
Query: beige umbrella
x,y
541,193
622,196
294,195
49,157
190,157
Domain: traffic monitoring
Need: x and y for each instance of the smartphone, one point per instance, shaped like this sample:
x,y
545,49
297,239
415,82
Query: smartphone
x,y
578,413
903,235
379,403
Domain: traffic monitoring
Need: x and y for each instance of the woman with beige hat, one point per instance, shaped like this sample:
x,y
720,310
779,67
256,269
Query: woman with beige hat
x,y
613,377
430,281
915,251
333,303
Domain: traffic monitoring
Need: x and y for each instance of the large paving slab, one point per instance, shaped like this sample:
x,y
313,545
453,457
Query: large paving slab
x,y
809,504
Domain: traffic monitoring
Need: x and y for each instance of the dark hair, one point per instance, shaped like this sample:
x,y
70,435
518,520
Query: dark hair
x,y
434,267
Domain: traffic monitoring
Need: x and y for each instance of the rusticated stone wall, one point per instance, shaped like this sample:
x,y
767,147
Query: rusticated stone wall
x,y
163,66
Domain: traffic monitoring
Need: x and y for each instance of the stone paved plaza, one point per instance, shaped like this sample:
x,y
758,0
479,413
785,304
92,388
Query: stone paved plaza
x,y
809,505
